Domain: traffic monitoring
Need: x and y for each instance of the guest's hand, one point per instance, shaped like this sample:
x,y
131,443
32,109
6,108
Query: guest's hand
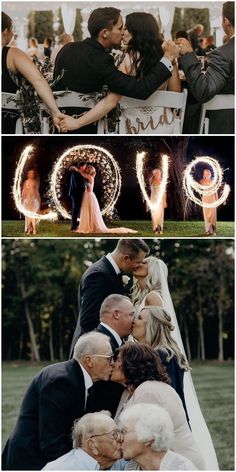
x,y
68,124
184,46
57,117
171,51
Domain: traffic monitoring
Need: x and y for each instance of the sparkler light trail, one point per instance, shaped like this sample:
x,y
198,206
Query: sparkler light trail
x,y
26,155
165,171
110,171
191,185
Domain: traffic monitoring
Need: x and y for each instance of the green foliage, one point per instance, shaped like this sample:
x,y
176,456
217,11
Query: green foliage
x,y
40,25
186,18
50,271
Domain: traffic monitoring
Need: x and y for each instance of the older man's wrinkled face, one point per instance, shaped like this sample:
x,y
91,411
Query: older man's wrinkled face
x,y
108,442
102,362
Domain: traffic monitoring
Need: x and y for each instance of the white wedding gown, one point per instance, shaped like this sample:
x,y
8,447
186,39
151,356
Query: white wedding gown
x,y
197,422
91,220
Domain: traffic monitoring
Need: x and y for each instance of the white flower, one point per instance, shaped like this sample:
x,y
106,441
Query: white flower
x,y
125,279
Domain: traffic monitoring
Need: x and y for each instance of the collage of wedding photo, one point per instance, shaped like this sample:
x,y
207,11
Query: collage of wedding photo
x,y
117,235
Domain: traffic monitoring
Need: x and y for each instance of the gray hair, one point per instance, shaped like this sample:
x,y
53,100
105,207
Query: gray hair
x,y
151,423
110,302
92,423
88,344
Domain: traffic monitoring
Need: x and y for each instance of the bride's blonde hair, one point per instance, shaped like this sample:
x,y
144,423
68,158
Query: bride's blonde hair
x,y
90,170
158,335
152,281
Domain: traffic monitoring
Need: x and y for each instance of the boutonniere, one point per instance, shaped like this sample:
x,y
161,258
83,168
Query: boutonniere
x,y
125,279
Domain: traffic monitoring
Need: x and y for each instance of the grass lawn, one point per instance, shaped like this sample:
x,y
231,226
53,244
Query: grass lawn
x,y
172,229
215,389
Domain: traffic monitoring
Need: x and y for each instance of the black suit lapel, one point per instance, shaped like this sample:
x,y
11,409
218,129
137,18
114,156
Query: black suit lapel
x,y
114,343
117,278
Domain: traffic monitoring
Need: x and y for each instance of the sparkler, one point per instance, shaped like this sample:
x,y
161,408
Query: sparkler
x,y
191,185
110,171
25,156
139,170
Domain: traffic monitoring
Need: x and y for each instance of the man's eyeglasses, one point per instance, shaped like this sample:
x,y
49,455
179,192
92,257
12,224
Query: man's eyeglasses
x,y
115,434
108,358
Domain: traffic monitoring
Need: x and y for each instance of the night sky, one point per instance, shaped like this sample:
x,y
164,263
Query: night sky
x,y
130,205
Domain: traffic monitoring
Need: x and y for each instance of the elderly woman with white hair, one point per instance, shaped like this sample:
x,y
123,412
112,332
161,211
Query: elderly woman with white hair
x,y
148,435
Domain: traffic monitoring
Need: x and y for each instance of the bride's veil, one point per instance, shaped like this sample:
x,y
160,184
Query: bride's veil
x,y
197,422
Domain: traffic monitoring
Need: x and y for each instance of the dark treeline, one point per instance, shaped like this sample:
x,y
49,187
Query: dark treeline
x,y
40,286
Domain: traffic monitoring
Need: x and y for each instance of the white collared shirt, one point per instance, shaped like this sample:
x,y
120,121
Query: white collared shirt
x,y
114,333
76,459
87,381
113,263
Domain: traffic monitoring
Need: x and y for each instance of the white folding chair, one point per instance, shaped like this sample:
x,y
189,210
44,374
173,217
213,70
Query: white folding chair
x,y
70,99
219,102
160,98
8,101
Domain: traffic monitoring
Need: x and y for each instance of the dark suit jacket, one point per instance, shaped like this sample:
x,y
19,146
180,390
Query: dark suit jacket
x,y
54,399
88,66
218,78
98,281
176,375
76,184
107,394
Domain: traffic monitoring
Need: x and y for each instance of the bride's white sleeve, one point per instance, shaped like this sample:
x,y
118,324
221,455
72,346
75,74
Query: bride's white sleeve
x,y
197,422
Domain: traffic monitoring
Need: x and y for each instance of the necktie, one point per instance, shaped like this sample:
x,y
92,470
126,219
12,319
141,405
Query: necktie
x,y
90,401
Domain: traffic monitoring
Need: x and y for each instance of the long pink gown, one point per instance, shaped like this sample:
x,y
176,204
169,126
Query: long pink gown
x,y
91,220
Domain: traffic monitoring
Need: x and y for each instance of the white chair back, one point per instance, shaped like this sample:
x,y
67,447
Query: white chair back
x,y
8,101
160,98
70,99
219,102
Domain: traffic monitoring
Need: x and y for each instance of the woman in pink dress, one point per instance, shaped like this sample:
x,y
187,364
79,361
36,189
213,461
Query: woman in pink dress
x,y
91,220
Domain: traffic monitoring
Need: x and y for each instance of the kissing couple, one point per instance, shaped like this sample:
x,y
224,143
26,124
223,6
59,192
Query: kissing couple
x,y
84,203
146,65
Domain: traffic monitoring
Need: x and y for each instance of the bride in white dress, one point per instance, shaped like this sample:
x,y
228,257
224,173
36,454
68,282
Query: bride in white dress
x,y
151,288
143,42
91,220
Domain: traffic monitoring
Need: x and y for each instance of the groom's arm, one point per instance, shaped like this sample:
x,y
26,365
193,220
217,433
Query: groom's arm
x,y
132,87
95,289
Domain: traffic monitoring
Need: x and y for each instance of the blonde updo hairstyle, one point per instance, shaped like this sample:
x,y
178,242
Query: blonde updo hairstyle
x,y
152,281
158,335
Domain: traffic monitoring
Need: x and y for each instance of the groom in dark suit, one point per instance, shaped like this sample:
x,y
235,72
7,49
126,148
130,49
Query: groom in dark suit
x,y
87,65
116,319
103,278
76,191
218,76
56,397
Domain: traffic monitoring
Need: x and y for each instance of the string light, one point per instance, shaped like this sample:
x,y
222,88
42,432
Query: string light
x,y
191,185
111,177
165,171
26,156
